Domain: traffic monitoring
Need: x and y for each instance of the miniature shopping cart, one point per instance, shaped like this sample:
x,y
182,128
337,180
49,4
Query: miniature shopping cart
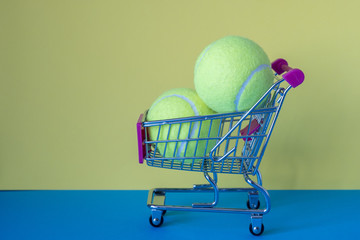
x,y
240,144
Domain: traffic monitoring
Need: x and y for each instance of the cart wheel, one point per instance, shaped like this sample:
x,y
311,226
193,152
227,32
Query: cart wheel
x,y
155,222
254,206
256,230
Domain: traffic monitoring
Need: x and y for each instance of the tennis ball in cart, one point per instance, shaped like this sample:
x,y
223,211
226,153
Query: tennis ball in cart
x,y
232,74
182,103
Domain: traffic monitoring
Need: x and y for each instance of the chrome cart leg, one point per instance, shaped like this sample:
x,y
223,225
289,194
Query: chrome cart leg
x,y
256,226
213,184
202,186
259,177
253,200
253,196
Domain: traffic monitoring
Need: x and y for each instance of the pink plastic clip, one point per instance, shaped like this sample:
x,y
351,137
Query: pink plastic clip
x,y
141,138
254,126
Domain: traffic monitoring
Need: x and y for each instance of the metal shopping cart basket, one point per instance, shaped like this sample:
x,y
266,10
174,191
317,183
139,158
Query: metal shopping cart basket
x,y
240,145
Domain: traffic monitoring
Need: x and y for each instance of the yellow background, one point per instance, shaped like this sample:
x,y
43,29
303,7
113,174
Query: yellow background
x,y
75,75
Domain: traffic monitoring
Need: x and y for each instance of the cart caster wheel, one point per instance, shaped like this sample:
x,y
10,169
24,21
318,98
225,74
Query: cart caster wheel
x,y
253,206
155,222
256,231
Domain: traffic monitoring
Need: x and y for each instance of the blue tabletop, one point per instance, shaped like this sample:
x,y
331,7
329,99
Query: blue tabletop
x,y
100,214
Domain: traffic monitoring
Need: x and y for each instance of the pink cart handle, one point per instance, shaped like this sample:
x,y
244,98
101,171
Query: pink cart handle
x,y
141,138
293,76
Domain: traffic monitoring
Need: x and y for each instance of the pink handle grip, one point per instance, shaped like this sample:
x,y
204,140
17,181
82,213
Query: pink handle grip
x,y
141,138
293,76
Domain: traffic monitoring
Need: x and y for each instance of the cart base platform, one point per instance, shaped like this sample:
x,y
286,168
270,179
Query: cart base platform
x,y
157,203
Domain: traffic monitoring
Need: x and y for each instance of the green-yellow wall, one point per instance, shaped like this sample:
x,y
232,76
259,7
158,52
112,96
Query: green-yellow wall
x,y
75,75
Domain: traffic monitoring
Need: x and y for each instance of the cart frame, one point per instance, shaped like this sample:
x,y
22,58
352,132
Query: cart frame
x,y
243,158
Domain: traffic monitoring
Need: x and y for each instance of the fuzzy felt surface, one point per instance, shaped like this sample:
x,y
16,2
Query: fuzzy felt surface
x,y
182,103
232,73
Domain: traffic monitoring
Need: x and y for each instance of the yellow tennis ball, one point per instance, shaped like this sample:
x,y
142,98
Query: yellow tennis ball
x,y
232,73
182,103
